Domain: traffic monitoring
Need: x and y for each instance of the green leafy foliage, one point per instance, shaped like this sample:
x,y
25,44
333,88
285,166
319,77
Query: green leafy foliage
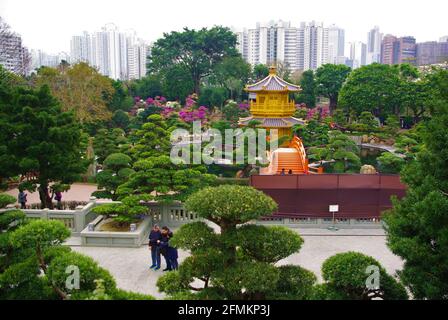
x,y
341,151
197,52
239,261
308,93
38,140
345,276
6,199
329,81
116,172
417,225
390,163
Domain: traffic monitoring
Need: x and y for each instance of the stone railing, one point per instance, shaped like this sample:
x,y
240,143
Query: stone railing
x,y
75,220
172,215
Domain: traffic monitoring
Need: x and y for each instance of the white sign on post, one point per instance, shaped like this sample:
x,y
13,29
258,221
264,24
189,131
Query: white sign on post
x,y
334,208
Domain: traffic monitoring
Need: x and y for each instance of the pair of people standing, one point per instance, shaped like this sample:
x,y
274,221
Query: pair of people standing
x,y
159,245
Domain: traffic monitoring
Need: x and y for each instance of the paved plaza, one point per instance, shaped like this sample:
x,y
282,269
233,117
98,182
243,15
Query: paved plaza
x,y
77,192
130,267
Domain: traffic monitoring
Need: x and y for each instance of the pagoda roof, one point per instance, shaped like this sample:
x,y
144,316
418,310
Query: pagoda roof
x,y
272,83
285,122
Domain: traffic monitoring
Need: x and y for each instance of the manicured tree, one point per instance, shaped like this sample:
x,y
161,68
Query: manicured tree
x,y
366,122
392,125
107,142
120,119
390,163
341,151
346,277
329,80
169,181
131,209
41,143
196,51
308,93
313,133
417,226
239,261
117,169
9,221
38,266
153,139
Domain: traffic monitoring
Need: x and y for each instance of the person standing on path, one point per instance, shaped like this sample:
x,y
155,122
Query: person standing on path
x,y
154,238
164,245
58,198
22,199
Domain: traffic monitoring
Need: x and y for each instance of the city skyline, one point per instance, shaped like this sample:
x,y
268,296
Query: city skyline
x,y
37,24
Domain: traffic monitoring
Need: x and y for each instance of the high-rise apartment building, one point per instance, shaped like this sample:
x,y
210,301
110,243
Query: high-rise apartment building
x,y
398,50
431,52
374,38
336,44
389,50
315,48
13,55
43,59
116,54
299,48
358,54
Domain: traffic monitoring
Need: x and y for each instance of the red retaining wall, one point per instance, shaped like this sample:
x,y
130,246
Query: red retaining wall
x,y
358,196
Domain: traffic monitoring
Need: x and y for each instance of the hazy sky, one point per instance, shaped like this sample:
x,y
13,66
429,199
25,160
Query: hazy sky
x,y
49,24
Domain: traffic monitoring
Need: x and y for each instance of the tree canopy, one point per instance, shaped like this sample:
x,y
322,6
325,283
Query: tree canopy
x,y
417,225
197,52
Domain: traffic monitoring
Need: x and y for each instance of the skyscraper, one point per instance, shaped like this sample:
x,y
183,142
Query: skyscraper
x,y
431,52
116,54
336,44
299,48
389,50
398,50
13,55
358,53
315,45
374,38
407,50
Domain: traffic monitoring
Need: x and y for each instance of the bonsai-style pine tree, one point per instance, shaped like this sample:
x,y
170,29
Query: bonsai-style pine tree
x,y
346,277
36,265
38,141
237,261
155,172
116,172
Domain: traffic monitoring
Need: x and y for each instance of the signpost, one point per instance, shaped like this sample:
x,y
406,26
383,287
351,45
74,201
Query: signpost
x,y
334,208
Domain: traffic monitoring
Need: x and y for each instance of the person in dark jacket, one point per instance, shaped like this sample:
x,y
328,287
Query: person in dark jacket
x,y
172,257
22,199
154,238
58,198
164,245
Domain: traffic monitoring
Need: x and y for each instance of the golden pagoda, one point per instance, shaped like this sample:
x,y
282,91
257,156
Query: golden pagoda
x,y
270,104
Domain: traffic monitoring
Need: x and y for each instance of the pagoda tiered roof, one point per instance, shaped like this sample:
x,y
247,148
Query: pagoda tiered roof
x,y
272,83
